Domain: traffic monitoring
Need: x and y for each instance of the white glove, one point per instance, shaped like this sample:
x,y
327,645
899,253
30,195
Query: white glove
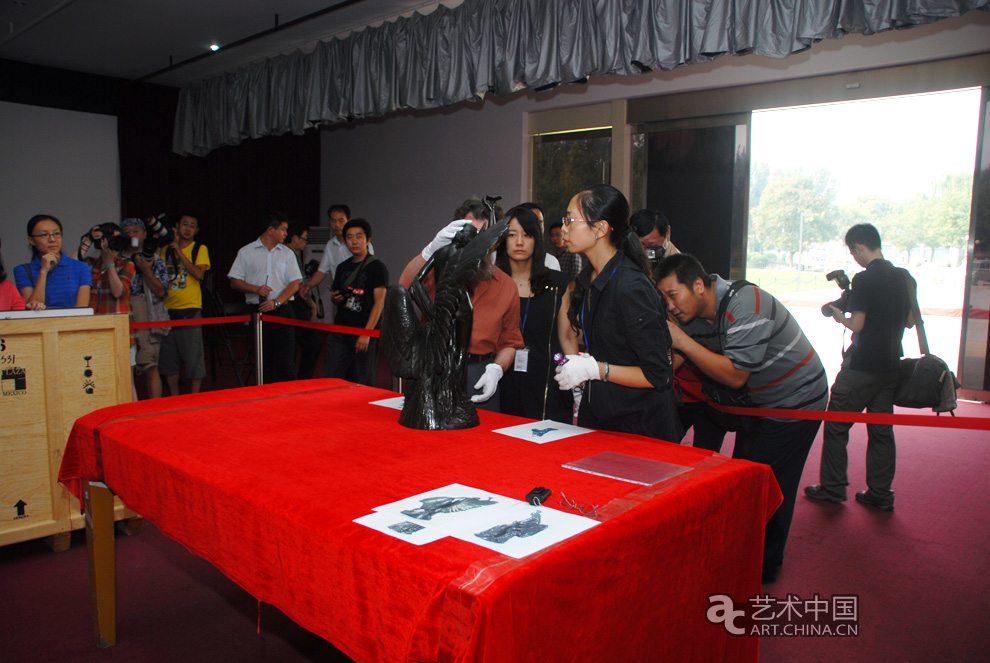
x,y
443,238
577,370
488,383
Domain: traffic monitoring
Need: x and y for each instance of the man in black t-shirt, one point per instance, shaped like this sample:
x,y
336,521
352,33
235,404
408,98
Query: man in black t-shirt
x,y
359,286
880,309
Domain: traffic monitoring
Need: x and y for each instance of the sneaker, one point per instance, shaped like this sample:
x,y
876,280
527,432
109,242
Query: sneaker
x,y
817,492
864,497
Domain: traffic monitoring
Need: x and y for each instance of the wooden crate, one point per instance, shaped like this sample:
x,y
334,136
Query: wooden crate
x,y
53,370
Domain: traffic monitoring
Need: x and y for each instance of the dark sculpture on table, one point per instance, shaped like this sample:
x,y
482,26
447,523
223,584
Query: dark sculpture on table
x,y
432,354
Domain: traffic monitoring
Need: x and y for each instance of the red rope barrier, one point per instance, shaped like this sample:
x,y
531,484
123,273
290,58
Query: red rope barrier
x,y
356,331
926,420
191,322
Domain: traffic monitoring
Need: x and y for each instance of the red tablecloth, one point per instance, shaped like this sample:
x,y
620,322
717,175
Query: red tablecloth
x,y
264,483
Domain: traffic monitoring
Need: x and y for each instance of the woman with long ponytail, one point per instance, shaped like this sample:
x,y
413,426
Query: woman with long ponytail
x,y
627,371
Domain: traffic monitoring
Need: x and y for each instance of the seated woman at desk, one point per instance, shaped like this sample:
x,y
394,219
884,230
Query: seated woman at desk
x,y
528,387
627,372
52,279
10,299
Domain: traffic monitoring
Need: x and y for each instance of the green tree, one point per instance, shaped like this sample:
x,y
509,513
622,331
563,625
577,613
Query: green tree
x,y
794,209
567,164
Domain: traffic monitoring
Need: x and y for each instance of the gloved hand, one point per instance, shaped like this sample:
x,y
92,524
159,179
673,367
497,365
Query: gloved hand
x,y
443,238
577,370
488,383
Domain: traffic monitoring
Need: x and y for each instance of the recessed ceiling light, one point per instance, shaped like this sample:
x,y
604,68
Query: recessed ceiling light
x,y
214,47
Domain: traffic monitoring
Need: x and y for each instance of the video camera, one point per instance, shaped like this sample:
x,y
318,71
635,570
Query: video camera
x,y
159,229
116,242
842,303
655,254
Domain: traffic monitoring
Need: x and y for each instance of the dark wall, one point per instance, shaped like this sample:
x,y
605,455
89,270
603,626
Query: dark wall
x,y
228,190
690,179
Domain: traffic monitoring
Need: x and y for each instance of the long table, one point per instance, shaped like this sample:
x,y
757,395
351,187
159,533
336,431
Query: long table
x,y
264,482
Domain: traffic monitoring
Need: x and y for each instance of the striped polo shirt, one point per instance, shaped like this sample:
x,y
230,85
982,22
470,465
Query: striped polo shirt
x,y
761,337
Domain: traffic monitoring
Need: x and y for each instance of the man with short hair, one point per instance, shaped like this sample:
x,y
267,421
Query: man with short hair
x,y
336,250
653,230
267,273
359,287
570,263
744,339
147,285
187,262
879,307
495,334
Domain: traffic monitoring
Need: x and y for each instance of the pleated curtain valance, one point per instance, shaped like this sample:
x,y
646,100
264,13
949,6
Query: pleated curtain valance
x,y
501,46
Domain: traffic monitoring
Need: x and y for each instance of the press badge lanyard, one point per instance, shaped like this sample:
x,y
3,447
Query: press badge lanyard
x,y
521,362
585,305
522,323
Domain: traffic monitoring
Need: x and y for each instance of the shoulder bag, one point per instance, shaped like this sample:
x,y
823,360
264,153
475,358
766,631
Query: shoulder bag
x,y
925,381
717,393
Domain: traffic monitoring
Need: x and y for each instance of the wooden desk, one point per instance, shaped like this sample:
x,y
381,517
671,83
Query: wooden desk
x,y
264,482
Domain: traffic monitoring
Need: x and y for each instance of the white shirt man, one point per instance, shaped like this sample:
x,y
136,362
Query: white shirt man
x,y
267,272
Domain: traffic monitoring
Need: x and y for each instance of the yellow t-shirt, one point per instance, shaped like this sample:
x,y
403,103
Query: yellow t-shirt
x,y
183,290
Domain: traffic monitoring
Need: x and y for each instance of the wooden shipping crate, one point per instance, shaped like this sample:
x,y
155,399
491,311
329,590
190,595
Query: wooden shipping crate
x,y
53,370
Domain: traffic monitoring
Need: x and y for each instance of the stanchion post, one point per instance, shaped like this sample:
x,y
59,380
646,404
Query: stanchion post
x,y
258,349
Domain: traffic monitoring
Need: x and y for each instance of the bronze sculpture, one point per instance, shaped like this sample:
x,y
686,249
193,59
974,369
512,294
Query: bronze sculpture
x,y
432,353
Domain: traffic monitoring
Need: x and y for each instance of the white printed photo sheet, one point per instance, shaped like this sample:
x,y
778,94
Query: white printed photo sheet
x,y
542,432
509,526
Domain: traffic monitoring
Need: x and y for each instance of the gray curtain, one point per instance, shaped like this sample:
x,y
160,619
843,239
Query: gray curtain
x,y
502,46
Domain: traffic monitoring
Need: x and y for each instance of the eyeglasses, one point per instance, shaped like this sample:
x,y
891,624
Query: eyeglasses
x,y
566,221
585,509
54,235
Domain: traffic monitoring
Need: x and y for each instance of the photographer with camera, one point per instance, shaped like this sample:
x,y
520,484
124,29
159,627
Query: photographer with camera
x,y
187,262
879,307
112,270
304,308
147,291
653,230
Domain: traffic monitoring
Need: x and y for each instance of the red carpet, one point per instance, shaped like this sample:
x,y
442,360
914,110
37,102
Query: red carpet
x,y
921,572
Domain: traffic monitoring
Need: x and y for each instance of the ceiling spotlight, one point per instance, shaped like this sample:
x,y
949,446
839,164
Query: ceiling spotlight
x,y
214,47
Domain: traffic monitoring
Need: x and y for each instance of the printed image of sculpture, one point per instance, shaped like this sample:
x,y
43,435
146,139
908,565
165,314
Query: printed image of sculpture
x,y
405,527
520,528
431,506
432,353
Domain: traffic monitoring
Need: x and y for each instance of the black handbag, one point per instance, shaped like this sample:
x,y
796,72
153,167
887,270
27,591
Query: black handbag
x,y
925,381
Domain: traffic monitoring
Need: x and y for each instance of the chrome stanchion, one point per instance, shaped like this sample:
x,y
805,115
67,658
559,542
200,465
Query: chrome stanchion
x,y
256,322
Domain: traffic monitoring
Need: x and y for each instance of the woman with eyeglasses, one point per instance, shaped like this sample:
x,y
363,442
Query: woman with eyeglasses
x,y
52,279
627,371
527,388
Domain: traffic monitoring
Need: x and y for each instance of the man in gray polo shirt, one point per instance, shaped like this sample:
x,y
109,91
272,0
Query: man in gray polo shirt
x,y
758,348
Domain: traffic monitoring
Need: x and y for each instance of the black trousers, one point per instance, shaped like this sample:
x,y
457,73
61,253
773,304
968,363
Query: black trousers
x,y
707,435
308,341
279,345
784,446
